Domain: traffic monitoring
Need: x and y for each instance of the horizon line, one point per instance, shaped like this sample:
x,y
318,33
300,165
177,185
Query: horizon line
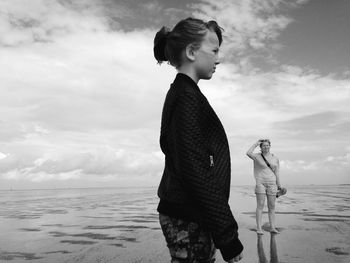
x,y
114,187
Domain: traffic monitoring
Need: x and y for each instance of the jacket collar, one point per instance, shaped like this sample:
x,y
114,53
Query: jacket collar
x,y
183,78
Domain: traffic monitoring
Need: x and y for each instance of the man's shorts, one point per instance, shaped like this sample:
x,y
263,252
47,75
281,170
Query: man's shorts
x,y
266,188
187,241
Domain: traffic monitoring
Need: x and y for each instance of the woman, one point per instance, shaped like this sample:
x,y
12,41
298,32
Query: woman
x,y
194,190
267,179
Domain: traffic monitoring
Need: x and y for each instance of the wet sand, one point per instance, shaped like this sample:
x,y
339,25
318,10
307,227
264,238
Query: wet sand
x,y
121,225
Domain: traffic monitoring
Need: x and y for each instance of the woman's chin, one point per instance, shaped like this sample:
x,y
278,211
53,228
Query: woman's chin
x,y
208,76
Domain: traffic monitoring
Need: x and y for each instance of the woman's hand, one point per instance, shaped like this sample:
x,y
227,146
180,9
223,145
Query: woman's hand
x,y
236,259
278,184
256,144
251,150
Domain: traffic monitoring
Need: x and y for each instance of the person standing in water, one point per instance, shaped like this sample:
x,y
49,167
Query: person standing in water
x,y
194,190
266,173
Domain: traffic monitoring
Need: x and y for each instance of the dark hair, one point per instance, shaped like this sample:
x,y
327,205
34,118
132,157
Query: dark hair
x,y
168,45
265,140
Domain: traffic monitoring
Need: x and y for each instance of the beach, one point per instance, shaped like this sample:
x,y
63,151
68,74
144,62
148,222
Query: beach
x,y
121,225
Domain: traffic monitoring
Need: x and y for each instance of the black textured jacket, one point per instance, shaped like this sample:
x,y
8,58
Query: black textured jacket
x,y
196,181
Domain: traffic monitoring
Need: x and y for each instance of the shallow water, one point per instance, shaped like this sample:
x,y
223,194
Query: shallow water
x,y
35,224
57,225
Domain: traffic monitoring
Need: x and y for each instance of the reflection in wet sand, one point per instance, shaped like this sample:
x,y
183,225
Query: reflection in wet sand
x,y
87,235
273,250
4,255
118,245
311,216
337,251
78,242
58,251
128,239
261,251
125,227
30,229
325,219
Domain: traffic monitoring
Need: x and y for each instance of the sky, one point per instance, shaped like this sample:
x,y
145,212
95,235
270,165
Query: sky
x,y
81,94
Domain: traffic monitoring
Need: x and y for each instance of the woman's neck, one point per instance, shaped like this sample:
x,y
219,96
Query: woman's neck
x,y
189,71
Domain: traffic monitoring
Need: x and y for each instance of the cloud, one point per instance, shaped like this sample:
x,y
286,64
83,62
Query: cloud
x,y
45,21
317,126
81,94
303,113
99,163
87,86
82,79
336,167
248,24
2,155
281,101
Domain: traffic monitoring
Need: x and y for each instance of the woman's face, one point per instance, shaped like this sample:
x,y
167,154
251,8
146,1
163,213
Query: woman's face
x,y
265,147
207,56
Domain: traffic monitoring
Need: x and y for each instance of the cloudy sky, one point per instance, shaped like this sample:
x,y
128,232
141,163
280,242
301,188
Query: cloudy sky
x,y
81,94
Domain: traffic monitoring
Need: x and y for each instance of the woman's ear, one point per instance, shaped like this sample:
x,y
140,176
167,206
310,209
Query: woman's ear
x,y
190,52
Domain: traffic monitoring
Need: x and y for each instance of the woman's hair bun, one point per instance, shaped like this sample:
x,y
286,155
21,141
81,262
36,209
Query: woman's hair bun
x,y
160,41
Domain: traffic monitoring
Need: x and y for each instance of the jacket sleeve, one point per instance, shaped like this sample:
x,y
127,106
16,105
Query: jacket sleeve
x,y
192,162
